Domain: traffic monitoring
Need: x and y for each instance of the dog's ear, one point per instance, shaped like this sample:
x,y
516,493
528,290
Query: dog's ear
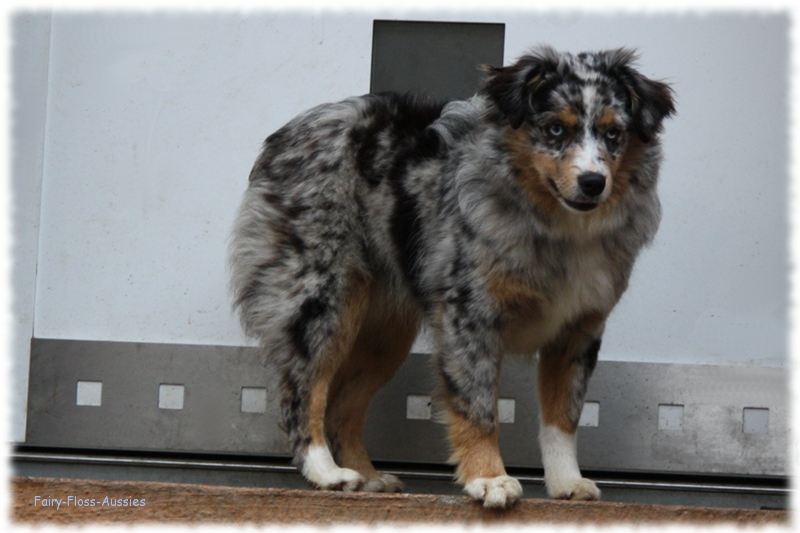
x,y
649,101
511,89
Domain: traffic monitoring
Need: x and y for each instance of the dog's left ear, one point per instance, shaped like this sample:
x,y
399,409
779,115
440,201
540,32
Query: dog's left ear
x,y
649,101
512,89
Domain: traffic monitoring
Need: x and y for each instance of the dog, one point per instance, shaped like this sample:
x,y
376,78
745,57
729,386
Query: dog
x,y
506,224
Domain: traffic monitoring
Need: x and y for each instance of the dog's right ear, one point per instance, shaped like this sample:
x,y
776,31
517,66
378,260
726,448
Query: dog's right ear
x,y
512,89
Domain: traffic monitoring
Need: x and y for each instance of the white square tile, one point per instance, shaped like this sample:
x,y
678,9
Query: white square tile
x,y
254,400
505,410
418,407
590,416
670,417
755,420
170,396
89,393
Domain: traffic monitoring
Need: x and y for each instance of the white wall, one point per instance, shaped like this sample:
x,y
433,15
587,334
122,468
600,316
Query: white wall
x,y
31,45
153,123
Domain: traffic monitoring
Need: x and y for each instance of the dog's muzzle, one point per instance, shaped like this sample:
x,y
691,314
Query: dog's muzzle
x,y
591,186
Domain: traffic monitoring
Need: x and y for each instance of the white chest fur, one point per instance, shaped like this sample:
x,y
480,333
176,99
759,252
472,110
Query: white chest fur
x,y
587,286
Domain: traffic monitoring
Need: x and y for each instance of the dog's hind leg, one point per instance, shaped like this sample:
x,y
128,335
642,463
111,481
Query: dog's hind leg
x,y
565,366
381,347
323,335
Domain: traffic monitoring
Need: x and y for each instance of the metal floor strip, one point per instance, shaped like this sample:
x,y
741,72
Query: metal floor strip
x,y
404,473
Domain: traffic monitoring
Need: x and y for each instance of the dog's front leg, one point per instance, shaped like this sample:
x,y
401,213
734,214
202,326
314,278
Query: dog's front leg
x,y
469,364
565,366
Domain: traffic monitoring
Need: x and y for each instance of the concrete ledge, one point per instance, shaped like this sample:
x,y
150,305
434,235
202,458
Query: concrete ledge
x,y
34,501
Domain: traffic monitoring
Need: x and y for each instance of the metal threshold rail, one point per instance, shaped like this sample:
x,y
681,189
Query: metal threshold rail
x,y
772,487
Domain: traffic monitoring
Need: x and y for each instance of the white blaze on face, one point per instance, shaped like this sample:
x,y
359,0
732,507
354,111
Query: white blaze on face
x,y
590,156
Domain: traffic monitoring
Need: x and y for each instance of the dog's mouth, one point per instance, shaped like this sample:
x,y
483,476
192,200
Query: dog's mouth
x,y
582,206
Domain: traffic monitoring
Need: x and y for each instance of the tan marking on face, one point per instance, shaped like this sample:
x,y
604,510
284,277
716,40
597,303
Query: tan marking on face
x,y
621,169
607,119
476,453
569,118
631,159
532,170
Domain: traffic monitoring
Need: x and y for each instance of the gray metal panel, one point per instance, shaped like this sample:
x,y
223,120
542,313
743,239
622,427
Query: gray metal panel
x,y
440,59
129,417
711,438
627,437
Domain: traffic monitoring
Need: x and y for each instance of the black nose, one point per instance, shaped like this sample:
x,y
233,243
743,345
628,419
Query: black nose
x,y
592,183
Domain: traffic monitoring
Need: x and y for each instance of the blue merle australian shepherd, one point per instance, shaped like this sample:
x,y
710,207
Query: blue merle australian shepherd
x,y
507,224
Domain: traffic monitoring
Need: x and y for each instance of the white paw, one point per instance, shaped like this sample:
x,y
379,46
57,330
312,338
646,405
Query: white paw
x,y
321,470
384,483
342,479
495,492
572,489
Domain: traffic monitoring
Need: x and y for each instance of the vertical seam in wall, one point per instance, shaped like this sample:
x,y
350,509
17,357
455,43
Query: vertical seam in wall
x,y
43,166
22,333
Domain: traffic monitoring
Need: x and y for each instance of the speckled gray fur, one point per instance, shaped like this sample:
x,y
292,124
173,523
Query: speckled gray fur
x,y
424,201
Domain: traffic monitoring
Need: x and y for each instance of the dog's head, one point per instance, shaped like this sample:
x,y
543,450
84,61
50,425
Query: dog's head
x,y
578,123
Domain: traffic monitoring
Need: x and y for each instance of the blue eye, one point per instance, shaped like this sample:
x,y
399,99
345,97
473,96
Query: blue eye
x,y
613,133
556,130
